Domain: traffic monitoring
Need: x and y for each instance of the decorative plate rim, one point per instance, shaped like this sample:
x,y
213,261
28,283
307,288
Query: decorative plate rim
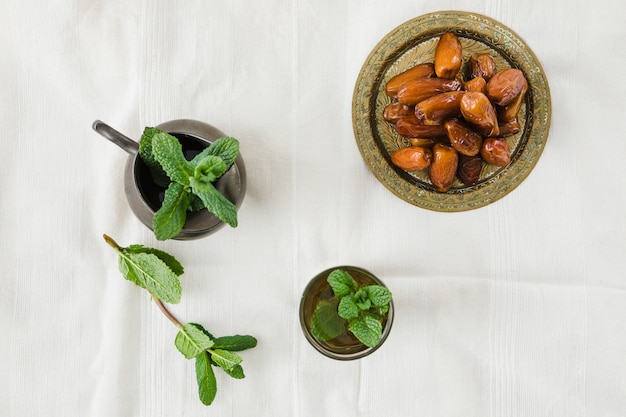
x,y
369,86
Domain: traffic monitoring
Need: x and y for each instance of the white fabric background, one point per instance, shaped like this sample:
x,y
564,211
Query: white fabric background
x,y
514,309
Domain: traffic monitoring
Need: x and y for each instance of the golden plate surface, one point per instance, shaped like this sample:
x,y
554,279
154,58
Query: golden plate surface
x,y
414,42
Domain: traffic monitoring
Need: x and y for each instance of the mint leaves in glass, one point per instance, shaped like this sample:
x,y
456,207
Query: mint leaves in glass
x,y
346,312
189,183
158,272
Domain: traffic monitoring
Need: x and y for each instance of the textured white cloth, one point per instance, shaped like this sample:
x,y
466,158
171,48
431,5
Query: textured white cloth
x,y
514,309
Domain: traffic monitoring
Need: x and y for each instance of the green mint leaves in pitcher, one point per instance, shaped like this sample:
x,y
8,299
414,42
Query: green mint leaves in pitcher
x,y
189,184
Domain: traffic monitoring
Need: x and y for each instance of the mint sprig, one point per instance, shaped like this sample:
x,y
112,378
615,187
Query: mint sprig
x,y
158,272
193,341
363,308
189,183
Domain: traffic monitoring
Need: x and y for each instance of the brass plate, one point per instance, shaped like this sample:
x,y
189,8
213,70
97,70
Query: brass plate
x,y
414,42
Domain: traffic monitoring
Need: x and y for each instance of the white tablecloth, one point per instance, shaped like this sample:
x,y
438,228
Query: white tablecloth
x,y
514,309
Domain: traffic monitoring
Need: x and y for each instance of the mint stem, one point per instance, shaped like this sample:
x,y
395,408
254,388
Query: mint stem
x,y
167,313
111,242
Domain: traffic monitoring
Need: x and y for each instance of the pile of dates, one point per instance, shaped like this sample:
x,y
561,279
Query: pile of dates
x,y
455,126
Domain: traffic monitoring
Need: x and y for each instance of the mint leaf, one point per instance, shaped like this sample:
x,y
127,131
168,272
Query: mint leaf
x,y
383,310
225,359
234,343
341,282
209,335
192,340
367,329
168,152
227,148
149,272
208,170
170,219
216,203
145,146
361,300
347,308
145,152
211,167
378,295
171,262
236,372
207,384
325,322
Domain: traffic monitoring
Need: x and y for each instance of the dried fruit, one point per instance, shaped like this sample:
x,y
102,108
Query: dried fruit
x,y
411,127
510,111
481,65
496,152
443,167
456,126
395,111
412,92
509,128
423,142
478,110
465,140
476,85
448,56
435,110
425,70
412,158
469,169
505,85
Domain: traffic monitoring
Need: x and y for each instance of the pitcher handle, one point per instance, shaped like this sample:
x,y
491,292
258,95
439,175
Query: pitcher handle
x,y
116,137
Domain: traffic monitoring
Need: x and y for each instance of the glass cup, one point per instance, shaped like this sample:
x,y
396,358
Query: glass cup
x,y
345,346
145,197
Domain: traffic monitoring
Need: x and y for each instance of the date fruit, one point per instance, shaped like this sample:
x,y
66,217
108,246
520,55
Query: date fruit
x,y
476,85
412,92
413,158
423,142
496,151
412,127
509,128
463,138
443,167
481,65
448,56
510,111
426,70
395,111
478,110
435,110
505,85
469,169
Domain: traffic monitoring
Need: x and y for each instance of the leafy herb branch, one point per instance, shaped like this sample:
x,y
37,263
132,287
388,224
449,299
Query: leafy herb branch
x,y
363,308
189,183
157,272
